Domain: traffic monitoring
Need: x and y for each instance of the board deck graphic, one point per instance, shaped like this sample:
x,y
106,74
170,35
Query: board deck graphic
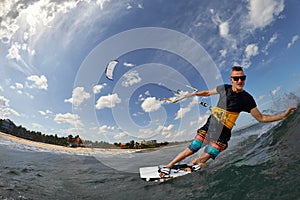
x,y
152,173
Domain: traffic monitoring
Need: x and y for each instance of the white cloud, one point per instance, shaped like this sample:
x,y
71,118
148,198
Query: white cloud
x,y
121,135
37,82
202,120
224,29
151,104
36,126
275,91
5,110
131,78
294,39
19,86
126,64
140,6
271,41
68,118
13,52
97,88
78,96
262,13
182,111
106,128
3,101
108,101
101,3
261,97
166,131
1,89
45,112
223,53
251,50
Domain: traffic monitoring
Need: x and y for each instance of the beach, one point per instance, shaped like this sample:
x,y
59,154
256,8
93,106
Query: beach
x,y
77,150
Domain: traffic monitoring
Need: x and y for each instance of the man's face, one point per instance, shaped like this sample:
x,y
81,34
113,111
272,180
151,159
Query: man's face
x,y
238,80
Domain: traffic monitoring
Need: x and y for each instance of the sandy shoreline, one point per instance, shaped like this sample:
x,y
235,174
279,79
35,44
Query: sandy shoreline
x,y
83,150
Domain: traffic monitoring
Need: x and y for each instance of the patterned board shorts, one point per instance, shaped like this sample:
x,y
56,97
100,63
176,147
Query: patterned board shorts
x,y
213,148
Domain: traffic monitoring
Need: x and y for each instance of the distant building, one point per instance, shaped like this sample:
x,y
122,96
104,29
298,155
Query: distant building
x,y
7,126
75,142
149,142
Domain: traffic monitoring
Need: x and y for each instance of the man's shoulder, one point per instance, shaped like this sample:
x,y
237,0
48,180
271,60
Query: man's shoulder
x,y
224,87
247,94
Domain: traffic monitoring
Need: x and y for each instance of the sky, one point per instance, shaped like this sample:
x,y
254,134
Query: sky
x,y
54,55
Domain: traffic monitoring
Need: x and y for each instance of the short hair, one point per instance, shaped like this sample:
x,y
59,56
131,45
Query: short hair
x,y
237,68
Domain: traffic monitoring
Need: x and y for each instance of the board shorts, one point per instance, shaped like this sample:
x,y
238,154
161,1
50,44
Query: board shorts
x,y
213,146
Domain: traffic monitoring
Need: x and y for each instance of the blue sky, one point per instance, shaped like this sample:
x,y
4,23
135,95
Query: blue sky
x,y
54,53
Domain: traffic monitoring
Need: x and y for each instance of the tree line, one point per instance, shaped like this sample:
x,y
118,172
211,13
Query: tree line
x,y
7,126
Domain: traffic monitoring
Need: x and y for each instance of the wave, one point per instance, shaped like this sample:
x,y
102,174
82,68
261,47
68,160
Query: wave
x,y
263,166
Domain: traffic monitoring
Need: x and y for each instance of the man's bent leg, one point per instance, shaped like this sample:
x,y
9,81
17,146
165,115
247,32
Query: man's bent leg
x,y
201,160
185,153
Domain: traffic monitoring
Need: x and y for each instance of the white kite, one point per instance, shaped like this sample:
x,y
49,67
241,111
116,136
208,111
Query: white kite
x,y
110,69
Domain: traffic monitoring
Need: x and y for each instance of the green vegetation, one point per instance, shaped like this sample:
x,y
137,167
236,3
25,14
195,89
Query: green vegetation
x,y
142,145
7,126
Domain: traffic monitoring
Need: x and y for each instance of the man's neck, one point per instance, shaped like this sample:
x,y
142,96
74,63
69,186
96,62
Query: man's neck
x,y
236,90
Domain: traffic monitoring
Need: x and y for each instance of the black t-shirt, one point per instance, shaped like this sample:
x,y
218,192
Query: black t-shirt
x,y
233,101
230,101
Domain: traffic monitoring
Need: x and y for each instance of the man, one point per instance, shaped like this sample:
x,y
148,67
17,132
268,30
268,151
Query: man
x,y
217,131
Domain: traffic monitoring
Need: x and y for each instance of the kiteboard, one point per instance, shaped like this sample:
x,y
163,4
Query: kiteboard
x,y
152,173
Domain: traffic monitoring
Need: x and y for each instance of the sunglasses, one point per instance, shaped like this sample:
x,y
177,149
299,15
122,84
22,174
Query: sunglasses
x,y
236,78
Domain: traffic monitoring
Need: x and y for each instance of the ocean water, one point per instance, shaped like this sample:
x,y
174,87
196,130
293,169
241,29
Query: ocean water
x,y
262,162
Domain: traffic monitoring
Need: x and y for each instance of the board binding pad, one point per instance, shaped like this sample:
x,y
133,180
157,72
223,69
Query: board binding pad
x,y
152,173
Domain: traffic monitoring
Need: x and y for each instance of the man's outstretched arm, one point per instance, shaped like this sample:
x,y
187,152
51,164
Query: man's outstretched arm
x,y
270,118
203,93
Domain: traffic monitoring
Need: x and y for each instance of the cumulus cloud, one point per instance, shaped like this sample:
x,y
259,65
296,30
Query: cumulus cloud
x,y
24,23
224,29
166,131
37,126
275,91
106,128
5,110
126,64
78,96
294,39
183,111
108,101
271,41
223,53
262,13
131,78
4,101
68,118
37,82
13,52
97,88
151,104
18,87
45,112
121,135
251,50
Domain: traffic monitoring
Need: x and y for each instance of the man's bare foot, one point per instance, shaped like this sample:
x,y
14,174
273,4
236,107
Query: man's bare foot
x,y
198,161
